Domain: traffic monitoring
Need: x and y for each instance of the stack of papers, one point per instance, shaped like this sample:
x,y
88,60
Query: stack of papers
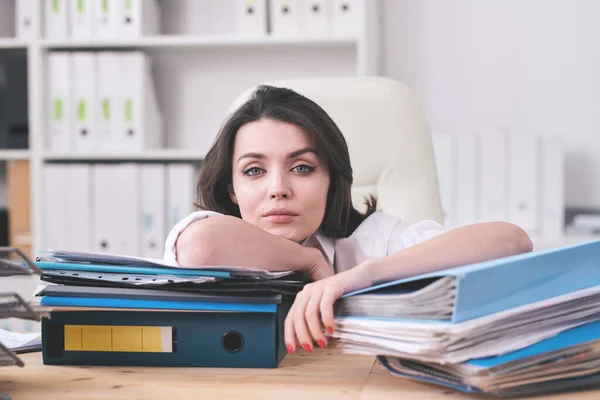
x,y
100,281
526,324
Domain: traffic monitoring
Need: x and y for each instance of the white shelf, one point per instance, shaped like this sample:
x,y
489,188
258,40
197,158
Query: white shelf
x,y
186,42
12,43
7,155
150,155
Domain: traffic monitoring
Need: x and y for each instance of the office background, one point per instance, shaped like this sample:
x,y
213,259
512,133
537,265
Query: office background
x,y
104,104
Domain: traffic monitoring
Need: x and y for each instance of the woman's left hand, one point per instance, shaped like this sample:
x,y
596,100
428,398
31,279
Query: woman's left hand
x,y
312,311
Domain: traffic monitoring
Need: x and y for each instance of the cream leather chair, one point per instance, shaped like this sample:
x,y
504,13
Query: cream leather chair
x,y
388,138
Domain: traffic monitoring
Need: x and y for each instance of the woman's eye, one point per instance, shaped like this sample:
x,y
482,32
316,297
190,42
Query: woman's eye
x,y
303,169
252,171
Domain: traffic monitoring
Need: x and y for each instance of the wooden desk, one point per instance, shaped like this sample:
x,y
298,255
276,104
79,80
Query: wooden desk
x,y
322,375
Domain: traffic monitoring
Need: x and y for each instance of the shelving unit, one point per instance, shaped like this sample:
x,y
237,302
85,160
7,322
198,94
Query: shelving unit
x,y
200,64
150,155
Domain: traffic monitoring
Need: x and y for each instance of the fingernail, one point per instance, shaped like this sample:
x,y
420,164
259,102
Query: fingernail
x,y
307,347
321,344
290,348
330,329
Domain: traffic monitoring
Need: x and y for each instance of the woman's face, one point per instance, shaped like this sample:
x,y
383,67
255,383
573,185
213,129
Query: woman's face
x,y
279,182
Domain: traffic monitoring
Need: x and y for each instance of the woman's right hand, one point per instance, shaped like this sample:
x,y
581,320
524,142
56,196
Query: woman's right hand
x,y
318,267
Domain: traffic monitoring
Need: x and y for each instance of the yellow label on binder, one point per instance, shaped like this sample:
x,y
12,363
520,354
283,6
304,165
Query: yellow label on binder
x,y
151,339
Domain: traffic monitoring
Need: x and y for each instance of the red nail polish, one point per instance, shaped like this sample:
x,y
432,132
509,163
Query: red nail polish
x,y
330,330
307,347
321,344
290,348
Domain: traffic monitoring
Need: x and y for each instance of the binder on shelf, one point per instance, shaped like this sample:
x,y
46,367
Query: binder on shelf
x,y
523,209
7,18
60,103
115,218
139,18
346,17
285,17
552,188
142,126
181,185
153,225
316,17
493,177
56,193
467,189
56,19
107,21
81,19
79,205
27,25
84,97
108,109
251,17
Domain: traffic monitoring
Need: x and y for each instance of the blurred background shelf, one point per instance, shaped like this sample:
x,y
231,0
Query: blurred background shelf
x,y
150,155
7,154
187,42
12,43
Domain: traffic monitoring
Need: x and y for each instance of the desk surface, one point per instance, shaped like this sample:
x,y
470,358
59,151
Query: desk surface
x,y
323,374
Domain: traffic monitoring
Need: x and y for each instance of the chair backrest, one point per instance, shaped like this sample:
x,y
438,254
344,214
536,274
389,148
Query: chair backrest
x,y
388,138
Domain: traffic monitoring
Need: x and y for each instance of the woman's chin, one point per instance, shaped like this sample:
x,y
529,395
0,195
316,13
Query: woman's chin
x,y
288,234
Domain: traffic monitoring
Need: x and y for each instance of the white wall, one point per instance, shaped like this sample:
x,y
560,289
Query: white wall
x,y
530,65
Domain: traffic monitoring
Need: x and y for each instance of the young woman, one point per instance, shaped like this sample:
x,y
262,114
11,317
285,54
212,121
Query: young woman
x,y
275,194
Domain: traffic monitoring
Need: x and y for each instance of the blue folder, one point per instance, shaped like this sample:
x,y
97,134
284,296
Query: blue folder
x,y
217,335
572,337
492,286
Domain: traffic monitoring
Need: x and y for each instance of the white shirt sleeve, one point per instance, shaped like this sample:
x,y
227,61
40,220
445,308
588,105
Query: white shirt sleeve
x,y
405,235
170,255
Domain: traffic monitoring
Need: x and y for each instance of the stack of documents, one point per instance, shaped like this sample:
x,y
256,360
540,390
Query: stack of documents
x,y
116,310
525,324
101,270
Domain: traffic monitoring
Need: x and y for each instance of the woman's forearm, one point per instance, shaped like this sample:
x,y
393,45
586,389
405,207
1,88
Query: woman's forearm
x,y
461,246
227,240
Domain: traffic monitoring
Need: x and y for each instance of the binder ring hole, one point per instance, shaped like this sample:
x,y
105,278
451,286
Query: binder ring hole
x,y
316,8
84,132
345,7
130,132
232,341
250,10
104,244
127,20
285,10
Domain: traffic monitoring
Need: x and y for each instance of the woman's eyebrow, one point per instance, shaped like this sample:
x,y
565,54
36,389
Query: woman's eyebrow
x,y
259,156
297,153
293,154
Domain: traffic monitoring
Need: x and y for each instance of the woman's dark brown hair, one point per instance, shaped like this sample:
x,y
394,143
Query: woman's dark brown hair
x,y
281,104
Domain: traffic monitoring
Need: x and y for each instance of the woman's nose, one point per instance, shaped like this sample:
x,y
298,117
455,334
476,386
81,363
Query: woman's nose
x,y
279,189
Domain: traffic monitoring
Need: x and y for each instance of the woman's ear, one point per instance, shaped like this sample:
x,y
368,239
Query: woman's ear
x,y
232,194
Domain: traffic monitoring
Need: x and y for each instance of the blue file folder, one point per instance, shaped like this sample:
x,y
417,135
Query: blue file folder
x,y
576,336
232,336
488,287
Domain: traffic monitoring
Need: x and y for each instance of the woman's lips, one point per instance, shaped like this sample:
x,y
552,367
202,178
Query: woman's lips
x,y
280,218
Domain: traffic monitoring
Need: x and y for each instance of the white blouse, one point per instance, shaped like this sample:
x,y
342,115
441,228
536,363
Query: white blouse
x,y
378,235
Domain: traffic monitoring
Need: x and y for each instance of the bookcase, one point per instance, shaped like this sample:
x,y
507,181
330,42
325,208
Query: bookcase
x,y
200,64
